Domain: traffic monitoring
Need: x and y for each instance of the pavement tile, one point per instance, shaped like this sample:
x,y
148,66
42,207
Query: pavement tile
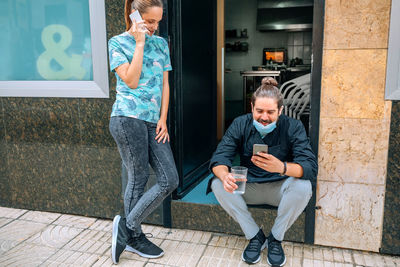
x,y
175,234
40,216
318,254
318,263
157,231
11,213
298,251
102,225
75,221
26,255
389,261
327,254
177,252
308,262
91,241
4,221
71,258
358,258
338,255
55,236
347,256
308,252
20,230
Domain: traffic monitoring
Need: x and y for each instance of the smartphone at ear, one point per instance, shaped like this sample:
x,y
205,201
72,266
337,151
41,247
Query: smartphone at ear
x,y
260,148
136,16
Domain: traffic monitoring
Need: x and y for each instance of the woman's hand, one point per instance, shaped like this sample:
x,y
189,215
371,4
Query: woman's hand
x,y
267,162
162,131
138,31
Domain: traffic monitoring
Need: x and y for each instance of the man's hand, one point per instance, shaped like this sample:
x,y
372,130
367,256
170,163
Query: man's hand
x,y
229,183
267,162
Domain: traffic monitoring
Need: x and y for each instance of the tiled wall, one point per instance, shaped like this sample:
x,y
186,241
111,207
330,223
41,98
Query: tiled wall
x,y
354,125
56,154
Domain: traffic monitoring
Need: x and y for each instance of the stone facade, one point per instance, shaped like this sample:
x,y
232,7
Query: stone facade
x,y
354,125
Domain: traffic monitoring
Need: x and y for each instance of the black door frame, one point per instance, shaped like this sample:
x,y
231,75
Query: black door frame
x,y
175,115
316,76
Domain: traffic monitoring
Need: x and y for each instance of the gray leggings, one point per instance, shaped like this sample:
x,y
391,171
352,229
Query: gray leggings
x,y
290,195
138,148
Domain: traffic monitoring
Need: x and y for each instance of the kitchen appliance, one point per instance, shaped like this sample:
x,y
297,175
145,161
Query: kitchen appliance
x,y
284,15
274,56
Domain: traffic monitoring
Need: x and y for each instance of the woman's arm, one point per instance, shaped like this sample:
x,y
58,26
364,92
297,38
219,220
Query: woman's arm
x,y
130,73
162,131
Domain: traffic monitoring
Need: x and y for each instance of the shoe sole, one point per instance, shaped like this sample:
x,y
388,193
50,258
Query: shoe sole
x,y
276,265
141,254
259,258
114,238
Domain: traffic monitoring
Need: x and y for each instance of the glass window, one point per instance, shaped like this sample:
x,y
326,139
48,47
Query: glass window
x,y
392,91
53,48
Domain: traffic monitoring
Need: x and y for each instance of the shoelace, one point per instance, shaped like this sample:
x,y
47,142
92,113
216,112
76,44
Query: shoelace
x,y
275,247
254,244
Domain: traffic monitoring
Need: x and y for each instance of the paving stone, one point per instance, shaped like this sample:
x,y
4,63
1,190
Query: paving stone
x,y
102,225
26,255
318,263
20,230
75,221
11,213
30,238
338,255
358,258
327,254
4,221
176,252
91,241
71,258
40,216
55,236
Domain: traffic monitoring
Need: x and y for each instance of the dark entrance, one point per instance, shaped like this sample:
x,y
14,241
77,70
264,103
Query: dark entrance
x,y
193,102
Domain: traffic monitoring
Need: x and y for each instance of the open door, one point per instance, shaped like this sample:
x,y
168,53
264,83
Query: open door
x,y
193,99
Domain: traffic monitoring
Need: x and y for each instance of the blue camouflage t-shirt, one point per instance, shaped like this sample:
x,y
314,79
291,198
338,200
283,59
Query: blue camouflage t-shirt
x,y
144,102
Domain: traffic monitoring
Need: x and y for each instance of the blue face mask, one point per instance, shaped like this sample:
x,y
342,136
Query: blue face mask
x,y
264,130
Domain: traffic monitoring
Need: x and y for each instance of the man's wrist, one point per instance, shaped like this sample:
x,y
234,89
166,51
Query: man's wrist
x,y
283,173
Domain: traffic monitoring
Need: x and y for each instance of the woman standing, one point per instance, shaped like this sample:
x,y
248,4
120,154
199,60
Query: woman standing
x,y
138,124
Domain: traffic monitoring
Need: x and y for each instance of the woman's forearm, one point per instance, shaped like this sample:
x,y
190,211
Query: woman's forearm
x,y
164,98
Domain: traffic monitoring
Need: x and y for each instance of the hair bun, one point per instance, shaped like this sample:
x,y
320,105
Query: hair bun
x,y
269,81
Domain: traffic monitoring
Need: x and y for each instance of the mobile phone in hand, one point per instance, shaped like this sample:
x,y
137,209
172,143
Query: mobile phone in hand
x,y
136,16
260,148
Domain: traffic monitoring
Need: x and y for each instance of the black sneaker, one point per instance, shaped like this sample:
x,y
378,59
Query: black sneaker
x,y
252,252
119,237
276,255
143,247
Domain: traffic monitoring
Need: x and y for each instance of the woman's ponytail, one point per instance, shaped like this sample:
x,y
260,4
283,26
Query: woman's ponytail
x,y
128,9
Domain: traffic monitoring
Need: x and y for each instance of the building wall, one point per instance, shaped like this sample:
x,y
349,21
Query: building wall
x,y
56,154
354,125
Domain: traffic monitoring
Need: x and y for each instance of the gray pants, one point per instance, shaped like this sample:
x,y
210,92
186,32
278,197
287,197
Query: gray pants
x,y
290,195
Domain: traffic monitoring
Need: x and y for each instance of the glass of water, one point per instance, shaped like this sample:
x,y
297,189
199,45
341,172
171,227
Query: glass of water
x,y
240,175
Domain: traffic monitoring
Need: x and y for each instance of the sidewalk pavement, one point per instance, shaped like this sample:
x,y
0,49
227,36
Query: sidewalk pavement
x,y
34,238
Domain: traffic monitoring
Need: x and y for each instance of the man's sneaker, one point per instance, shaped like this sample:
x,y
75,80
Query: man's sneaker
x,y
252,252
276,255
143,247
119,236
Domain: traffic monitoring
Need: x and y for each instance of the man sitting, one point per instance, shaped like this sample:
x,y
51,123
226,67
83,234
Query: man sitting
x,y
279,178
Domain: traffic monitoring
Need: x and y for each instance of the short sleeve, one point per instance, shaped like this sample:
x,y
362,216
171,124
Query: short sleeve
x,y
167,62
116,55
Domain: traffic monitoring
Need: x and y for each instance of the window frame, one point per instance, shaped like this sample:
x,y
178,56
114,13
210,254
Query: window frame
x,y
392,88
96,88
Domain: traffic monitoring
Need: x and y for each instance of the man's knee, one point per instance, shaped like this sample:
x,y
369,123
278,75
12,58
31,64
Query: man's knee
x,y
217,186
301,188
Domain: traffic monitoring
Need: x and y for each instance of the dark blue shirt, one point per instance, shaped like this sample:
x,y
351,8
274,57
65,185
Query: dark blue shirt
x,y
288,142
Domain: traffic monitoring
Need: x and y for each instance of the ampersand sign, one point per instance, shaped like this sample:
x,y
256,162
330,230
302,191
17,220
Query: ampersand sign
x,y
71,65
